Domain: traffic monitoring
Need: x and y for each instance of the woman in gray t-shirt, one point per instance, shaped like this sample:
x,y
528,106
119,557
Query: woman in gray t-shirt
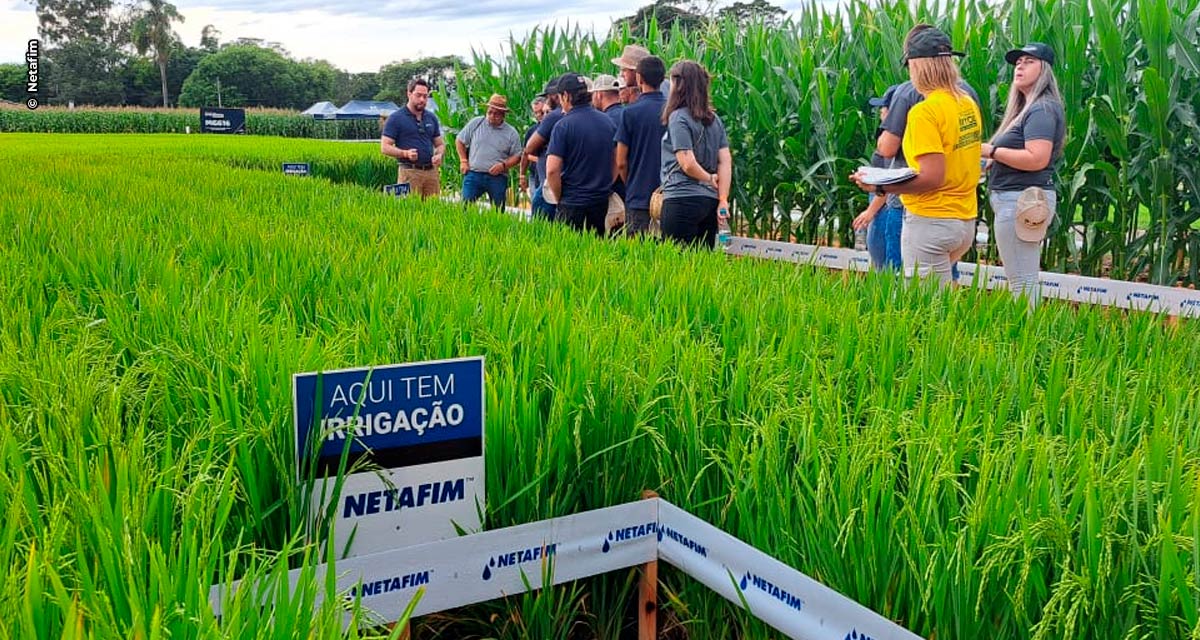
x,y
696,164
1023,154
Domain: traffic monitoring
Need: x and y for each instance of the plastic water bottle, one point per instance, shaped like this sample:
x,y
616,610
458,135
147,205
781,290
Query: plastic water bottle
x,y
723,231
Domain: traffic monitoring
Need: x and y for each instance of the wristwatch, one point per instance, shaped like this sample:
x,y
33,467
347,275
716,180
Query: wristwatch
x,y
879,190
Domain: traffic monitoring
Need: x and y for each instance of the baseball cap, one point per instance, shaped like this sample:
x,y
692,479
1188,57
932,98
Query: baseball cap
x,y
1038,50
551,88
606,82
929,43
1033,215
572,82
885,99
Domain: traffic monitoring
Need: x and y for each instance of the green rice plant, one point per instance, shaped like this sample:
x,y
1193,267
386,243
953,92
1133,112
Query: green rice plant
x,y
949,459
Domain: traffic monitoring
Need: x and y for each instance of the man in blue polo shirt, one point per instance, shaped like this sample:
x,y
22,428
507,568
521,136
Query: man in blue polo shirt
x,y
536,146
579,164
639,145
413,137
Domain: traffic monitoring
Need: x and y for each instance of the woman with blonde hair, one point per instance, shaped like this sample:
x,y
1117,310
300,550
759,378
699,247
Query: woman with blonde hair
x,y
942,142
1023,154
697,167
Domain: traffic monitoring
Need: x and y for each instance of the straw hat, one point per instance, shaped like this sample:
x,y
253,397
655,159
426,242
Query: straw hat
x,y
631,55
498,102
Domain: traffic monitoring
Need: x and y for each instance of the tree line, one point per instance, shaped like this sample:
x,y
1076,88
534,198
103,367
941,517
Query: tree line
x,y
104,53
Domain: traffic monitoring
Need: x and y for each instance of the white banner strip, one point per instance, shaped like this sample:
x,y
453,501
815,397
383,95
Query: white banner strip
x,y
777,594
1086,289
489,565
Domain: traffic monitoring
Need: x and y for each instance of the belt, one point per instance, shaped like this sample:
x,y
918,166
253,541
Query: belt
x,y
418,167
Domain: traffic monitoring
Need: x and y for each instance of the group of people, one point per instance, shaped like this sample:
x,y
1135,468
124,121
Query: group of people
x,y
618,138
933,122
599,143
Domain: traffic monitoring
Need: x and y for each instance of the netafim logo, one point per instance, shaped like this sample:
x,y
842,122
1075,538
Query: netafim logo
x,y
686,542
628,533
518,557
855,635
388,585
789,600
419,495
33,52
1088,289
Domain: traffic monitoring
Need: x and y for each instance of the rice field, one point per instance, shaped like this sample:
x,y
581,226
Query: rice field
x,y
963,467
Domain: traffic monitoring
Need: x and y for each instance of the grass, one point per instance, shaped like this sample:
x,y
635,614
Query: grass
x,y
944,458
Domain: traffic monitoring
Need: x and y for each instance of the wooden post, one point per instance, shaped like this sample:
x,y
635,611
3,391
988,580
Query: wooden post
x,y
648,596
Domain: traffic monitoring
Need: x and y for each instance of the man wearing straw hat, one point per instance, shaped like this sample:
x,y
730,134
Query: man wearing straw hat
x,y
631,55
488,148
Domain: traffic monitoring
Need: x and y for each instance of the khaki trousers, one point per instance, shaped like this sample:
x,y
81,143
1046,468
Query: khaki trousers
x,y
423,182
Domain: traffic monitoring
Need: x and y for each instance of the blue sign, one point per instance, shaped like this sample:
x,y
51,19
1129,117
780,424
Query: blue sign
x,y
399,415
218,120
398,189
295,169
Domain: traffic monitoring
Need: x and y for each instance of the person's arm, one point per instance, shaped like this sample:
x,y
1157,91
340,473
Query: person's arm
x,y
532,149
692,169
554,176
888,144
931,177
439,151
464,163
388,147
869,213
1034,157
621,162
724,177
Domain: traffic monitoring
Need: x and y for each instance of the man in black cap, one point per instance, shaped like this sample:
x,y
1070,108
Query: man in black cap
x,y
536,146
579,163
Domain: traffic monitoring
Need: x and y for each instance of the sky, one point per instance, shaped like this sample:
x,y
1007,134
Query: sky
x,y
355,35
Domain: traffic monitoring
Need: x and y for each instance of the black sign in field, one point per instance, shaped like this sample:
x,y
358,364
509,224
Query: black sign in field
x,y
219,120
295,169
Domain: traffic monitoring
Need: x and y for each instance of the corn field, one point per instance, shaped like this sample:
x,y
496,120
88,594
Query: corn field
x,y
794,99
948,459
263,122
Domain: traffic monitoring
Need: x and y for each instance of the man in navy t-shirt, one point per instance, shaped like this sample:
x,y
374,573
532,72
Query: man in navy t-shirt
x,y
579,164
413,137
639,145
536,146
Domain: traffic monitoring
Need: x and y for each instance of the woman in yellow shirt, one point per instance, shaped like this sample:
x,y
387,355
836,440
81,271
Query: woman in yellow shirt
x,y
942,142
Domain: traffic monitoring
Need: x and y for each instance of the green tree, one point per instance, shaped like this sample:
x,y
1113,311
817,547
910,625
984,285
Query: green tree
x,y
83,40
152,32
393,78
666,12
209,38
12,82
255,76
755,10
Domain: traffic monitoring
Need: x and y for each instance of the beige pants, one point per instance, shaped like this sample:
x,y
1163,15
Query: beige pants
x,y
422,182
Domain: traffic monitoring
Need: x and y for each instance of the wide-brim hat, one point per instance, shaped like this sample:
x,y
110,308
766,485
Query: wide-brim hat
x,y
631,55
1033,215
1038,50
498,102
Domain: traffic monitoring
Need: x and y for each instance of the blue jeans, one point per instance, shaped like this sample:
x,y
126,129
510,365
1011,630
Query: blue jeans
x,y
477,183
883,238
540,208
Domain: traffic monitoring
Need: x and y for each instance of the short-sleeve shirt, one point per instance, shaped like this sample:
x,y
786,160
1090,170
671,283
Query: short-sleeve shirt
x,y
409,133
904,98
584,141
686,133
487,145
615,112
1044,120
948,124
535,178
642,131
545,129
